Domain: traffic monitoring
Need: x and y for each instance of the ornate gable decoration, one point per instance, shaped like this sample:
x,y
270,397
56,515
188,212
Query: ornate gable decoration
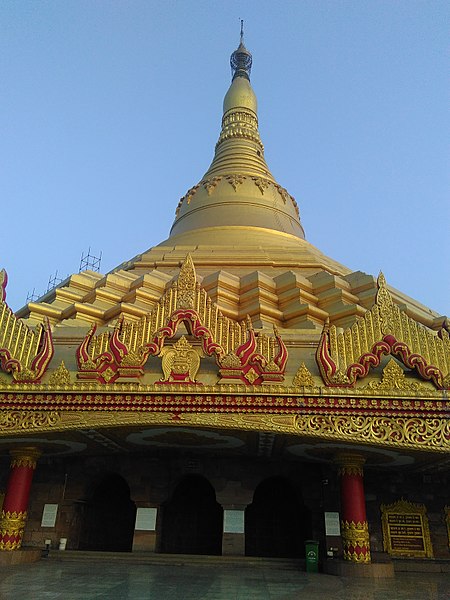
x,y
24,352
240,353
384,329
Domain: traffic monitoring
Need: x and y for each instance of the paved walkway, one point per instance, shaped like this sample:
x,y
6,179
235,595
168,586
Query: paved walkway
x,y
50,580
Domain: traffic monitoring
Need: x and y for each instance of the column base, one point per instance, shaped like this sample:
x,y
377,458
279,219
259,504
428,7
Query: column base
x,y
233,544
21,556
144,541
345,568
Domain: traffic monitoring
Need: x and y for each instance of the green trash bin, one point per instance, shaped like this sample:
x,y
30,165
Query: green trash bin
x,y
312,556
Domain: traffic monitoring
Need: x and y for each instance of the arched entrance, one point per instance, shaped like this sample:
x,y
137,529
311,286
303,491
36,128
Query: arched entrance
x,y
192,520
277,522
109,517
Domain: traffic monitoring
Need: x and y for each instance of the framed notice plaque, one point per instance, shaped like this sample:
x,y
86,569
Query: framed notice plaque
x,y
146,519
49,515
405,530
332,524
233,521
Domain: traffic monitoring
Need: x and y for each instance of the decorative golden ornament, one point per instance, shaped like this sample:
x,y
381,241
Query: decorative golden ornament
x,y
180,362
235,180
21,420
394,379
251,375
12,525
397,432
356,541
186,284
211,184
261,184
303,377
345,356
60,377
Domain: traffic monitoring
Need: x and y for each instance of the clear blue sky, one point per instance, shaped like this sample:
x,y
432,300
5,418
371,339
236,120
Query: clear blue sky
x,y
109,112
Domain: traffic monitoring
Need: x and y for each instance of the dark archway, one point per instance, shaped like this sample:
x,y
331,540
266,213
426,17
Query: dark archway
x,y
192,520
109,517
277,522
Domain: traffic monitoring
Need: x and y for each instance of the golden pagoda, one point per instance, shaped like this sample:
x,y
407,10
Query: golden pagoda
x,y
230,391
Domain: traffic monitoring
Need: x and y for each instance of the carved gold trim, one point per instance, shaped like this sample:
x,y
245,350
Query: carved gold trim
x,y
403,507
356,541
364,396
403,432
395,432
12,525
22,420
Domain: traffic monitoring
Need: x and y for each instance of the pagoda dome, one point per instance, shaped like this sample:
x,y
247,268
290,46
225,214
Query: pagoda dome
x,y
238,191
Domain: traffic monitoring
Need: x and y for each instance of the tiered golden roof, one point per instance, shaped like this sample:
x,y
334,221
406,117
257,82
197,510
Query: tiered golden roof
x,y
244,234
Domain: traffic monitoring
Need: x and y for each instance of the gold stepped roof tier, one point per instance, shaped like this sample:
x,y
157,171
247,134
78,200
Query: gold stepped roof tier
x,y
284,292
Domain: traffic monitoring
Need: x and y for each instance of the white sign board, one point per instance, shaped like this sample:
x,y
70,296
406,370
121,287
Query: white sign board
x,y
233,521
49,515
146,519
332,524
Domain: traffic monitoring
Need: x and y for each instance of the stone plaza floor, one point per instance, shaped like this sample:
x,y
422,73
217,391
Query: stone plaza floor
x,y
51,580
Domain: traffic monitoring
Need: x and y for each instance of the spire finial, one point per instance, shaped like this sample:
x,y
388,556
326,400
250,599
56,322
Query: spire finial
x,y
241,59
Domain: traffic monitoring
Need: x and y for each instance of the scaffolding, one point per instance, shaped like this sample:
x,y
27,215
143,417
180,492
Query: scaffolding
x,y
89,261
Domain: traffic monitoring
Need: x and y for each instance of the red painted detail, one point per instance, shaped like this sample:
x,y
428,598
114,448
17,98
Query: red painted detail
x,y
388,345
353,503
106,367
3,284
200,401
251,360
18,489
40,362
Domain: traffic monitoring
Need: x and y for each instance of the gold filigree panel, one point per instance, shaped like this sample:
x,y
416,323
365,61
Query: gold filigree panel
x,y
403,432
395,432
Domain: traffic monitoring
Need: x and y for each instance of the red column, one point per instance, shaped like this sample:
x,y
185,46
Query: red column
x,y
354,528
14,513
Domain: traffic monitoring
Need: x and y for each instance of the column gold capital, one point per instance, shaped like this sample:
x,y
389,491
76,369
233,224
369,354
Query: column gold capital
x,y
25,456
350,463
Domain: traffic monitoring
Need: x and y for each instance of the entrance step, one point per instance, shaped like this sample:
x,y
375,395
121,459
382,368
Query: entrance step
x,y
149,558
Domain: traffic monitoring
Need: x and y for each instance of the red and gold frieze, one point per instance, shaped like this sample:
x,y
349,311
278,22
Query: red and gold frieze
x,y
343,357
258,400
241,353
24,352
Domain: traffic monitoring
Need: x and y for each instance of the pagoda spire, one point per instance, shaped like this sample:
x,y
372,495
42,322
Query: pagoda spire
x,y
241,59
239,148
238,189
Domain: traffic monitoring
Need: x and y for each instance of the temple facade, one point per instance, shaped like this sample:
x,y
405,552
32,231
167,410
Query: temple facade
x,y
230,391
